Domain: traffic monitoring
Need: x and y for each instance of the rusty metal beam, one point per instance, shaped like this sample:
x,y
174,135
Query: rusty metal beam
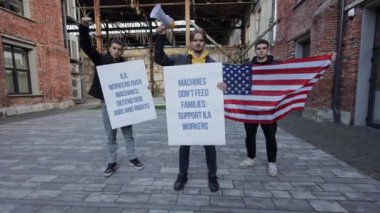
x,y
187,18
129,6
167,4
99,39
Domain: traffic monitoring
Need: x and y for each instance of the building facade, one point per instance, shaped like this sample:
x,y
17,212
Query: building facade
x,y
349,93
256,23
34,61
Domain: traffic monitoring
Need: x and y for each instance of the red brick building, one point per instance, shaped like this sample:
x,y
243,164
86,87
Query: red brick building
x,y
350,90
34,62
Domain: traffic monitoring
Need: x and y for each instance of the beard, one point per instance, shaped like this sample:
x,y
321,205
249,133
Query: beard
x,y
198,50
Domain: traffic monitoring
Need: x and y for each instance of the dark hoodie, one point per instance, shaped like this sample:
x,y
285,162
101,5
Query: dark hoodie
x,y
270,60
97,58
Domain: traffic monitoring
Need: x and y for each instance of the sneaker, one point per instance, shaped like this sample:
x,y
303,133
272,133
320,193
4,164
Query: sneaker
x,y
213,183
111,168
272,169
180,182
136,164
248,162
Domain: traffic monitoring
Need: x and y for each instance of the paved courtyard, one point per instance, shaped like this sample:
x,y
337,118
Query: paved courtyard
x,y
55,164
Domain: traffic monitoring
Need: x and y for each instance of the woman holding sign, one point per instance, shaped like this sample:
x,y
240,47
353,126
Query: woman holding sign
x,y
195,55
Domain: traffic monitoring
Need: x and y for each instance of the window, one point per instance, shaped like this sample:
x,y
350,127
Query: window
x,y
13,5
17,70
306,48
303,47
258,21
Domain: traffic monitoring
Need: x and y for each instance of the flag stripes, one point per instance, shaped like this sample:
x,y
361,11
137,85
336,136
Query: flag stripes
x,y
266,93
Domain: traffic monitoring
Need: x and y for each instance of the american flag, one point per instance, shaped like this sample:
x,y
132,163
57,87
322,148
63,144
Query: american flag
x,y
266,93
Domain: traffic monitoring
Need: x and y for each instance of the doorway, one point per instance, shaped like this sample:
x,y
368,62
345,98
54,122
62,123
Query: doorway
x,y
373,118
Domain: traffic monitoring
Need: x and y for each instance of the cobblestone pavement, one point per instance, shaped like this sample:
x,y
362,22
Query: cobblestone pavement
x,y
55,163
358,146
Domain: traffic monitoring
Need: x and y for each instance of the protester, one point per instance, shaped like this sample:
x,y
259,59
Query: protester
x,y
269,128
196,55
113,55
262,58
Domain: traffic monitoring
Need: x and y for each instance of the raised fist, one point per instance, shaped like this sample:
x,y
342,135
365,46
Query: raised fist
x,y
161,30
86,21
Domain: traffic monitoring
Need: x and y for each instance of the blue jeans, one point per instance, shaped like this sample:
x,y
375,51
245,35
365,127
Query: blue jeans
x,y
111,138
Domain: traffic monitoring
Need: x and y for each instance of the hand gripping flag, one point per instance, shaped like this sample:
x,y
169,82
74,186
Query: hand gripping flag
x,y
266,93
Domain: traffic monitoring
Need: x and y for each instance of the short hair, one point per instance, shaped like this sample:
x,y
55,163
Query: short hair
x,y
200,31
262,41
117,41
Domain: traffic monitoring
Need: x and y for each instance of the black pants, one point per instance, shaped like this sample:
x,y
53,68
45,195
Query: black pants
x,y
270,138
184,155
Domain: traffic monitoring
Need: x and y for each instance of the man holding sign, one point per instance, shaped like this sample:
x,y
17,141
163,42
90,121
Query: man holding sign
x,y
113,55
196,55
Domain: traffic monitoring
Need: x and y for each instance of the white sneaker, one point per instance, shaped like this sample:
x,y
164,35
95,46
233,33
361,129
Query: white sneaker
x,y
272,169
247,163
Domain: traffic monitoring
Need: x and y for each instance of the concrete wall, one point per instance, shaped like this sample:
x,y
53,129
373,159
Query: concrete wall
x,y
259,21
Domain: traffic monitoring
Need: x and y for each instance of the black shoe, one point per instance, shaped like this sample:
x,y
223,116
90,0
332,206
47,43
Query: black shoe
x,y
180,182
111,168
136,164
213,183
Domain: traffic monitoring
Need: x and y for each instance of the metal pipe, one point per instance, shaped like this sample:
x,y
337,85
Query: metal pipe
x,y
187,18
165,4
148,28
151,60
64,18
338,68
99,39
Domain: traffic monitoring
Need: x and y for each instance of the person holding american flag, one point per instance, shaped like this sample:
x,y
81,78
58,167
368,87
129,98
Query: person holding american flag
x,y
262,58
264,90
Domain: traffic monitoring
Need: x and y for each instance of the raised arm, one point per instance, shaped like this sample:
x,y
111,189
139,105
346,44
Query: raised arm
x,y
159,54
85,43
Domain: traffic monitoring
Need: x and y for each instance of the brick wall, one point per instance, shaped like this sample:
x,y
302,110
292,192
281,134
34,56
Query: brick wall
x,y
321,20
44,29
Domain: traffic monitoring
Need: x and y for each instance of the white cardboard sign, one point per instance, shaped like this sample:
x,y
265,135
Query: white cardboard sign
x,y
126,93
194,105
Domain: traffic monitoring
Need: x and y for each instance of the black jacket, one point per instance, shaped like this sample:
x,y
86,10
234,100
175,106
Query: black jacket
x,y
97,59
162,59
270,60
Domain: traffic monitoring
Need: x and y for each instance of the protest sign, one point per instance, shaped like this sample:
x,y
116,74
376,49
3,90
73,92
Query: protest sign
x,y
126,93
194,105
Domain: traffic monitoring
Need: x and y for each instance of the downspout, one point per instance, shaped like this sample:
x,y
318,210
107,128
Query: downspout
x,y
338,68
271,20
242,38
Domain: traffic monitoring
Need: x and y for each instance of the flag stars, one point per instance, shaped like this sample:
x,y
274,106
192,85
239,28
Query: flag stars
x,y
238,79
